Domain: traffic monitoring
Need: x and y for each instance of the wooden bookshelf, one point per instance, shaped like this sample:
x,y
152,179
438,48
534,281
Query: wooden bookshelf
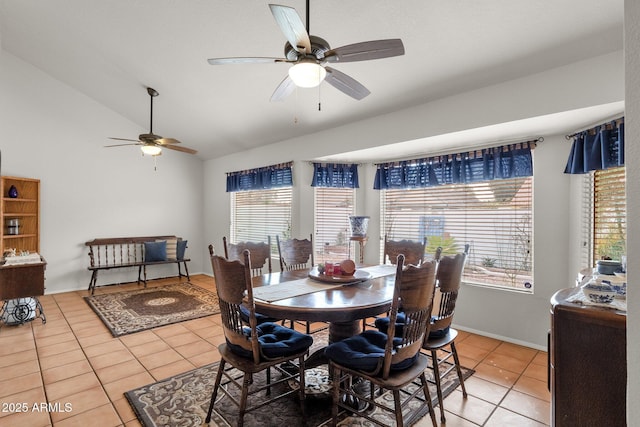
x,y
25,208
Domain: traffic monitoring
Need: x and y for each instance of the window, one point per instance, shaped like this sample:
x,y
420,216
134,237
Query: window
x,y
332,209
261,213
493,217
605,215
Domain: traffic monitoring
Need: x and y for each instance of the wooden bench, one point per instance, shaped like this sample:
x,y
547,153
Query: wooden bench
x,y
121,252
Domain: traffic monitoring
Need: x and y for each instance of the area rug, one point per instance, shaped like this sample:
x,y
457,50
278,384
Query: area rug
x,y
183,400
134,311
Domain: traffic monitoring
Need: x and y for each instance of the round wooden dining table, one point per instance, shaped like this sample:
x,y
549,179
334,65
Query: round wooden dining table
x,y
343,307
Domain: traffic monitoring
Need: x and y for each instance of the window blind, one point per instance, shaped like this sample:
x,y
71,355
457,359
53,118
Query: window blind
x,y
609,214
261,213
493,217
332,231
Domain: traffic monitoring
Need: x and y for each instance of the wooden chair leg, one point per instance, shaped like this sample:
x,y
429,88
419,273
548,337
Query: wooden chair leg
x,y
335,376
457,361
214,394
427,397
398,406
436,375
243,398
302,390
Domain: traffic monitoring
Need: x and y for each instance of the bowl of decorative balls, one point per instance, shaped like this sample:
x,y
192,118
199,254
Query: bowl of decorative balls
x,y
339,272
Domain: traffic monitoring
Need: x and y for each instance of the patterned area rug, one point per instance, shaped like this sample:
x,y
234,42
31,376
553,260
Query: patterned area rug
x,y
183,400
134,311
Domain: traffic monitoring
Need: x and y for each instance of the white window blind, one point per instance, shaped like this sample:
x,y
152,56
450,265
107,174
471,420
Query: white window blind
x,y
258,214
332,231
493,217
609,224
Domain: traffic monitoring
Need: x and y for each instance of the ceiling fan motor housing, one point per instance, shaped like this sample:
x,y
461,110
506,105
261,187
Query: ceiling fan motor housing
x,y
318,47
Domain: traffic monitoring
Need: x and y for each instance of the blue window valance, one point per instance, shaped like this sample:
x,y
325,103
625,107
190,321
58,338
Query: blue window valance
x,y
601,147
337,175
508,161
263,178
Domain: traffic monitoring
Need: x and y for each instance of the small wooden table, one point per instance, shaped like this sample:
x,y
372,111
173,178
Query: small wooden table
x,y
19,285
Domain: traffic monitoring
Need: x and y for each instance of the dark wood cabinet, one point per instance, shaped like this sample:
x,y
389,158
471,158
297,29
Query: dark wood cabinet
x,y
588,364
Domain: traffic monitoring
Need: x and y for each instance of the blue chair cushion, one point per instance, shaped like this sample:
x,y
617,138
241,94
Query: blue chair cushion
x,y
382,323
155,251
275,341
261,318
363,352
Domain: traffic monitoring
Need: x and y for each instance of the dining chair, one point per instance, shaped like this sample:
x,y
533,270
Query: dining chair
x,y
387,361
260,254
254,349
412,250
440,342
297,254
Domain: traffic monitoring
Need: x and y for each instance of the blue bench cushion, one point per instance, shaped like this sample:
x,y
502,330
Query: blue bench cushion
x,y
275,341
181,247
382,323
364,352
155,251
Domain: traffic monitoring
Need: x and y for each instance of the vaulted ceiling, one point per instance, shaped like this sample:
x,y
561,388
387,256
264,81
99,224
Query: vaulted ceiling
x,y
112,50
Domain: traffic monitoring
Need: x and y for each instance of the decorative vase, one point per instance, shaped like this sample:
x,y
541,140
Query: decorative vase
x,y
599,291
358,225
13,192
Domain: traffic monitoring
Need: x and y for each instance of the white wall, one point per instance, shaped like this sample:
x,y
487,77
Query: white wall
x,y
56,134
632,151
508,315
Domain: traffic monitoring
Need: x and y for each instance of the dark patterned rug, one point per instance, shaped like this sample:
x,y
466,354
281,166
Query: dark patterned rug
x,y
183,400
134,311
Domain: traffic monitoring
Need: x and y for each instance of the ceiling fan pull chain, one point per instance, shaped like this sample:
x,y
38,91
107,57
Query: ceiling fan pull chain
x,y
319,99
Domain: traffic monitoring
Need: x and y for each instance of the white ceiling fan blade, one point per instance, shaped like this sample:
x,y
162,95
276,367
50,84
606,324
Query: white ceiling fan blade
x,y
245,60
364,51
346,84
284,89
292,27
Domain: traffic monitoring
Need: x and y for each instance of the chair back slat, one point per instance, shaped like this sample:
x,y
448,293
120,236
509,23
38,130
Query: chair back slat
x,y
233,280
413,251
260,254
295,254
448,278
413,291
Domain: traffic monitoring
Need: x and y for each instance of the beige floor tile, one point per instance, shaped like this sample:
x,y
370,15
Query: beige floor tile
x,y
19,369
55,339
496,375
19,347
485,390
26,398
161,358
195,348
117,388
482,342
19,384
63,372
505,362
150,347
170,330
533,387
12,359
542,358
536,371
503,418
62,347
515,351
23,419
138,338
106,414
166,371
73,385
121,370
80,402
109,359
470,351
528,406
104,347
62,359
99,336
472,409
182,339
124,410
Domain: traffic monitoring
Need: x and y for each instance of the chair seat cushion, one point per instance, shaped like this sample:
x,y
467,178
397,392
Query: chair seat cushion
x,y
260,318
275,341
364,352
382,323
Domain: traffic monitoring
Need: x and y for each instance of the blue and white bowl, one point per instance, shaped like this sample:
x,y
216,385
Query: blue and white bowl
x,y
599,292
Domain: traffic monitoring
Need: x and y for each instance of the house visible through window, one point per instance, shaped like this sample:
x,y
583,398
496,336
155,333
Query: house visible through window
x,y
332,209
493,217
257,214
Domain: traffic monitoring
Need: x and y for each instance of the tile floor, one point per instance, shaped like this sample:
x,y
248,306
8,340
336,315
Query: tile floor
x,y
73,363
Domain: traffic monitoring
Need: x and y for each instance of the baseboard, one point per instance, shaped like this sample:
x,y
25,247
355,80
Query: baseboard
x,y
501,338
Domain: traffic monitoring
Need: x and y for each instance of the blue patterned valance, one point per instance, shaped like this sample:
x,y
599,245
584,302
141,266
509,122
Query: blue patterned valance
x,y
264,178
601,147
336,175
508,161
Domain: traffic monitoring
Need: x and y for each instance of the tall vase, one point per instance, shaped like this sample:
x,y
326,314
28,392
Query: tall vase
x,y
358,225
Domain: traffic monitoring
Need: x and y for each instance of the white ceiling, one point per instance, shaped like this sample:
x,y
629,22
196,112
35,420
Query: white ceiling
x,y
111,50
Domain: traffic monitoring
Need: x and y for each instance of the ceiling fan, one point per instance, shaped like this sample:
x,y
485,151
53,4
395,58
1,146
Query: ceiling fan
x,y
150,143
310,54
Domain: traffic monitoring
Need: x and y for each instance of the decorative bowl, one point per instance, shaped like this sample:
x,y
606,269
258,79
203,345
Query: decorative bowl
x,y
610,267
599,292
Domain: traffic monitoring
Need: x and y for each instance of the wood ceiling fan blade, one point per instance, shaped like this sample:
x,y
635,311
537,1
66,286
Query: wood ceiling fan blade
x,y
180,148
292,27
165,141
124,139
284,89
365,51
346,84
121,145
245,60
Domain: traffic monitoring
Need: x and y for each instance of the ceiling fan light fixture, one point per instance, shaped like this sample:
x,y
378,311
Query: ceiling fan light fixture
x,y
151,150
307,73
